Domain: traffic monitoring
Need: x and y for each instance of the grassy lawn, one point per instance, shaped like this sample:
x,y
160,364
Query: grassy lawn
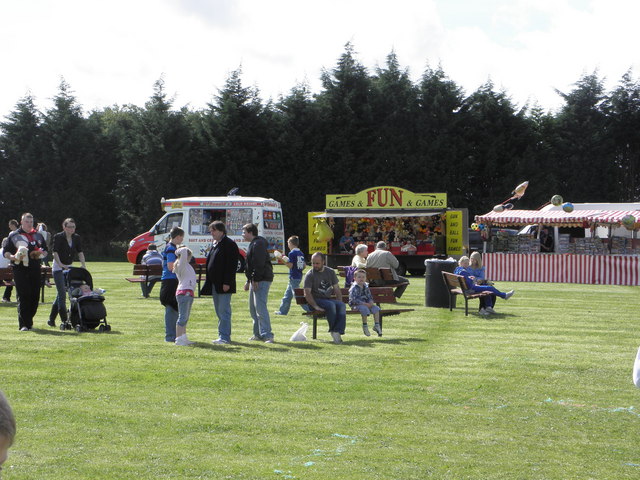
x,y
542,390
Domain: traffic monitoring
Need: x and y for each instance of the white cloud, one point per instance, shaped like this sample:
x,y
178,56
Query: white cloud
x,y
112,52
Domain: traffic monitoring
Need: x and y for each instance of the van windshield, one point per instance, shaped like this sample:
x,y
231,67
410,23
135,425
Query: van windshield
x,y
167,223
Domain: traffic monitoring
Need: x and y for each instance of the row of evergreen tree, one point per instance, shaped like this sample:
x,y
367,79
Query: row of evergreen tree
x,y
109,168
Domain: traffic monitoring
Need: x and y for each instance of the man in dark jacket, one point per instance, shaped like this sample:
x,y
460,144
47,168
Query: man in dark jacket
x,y
222,263
259,278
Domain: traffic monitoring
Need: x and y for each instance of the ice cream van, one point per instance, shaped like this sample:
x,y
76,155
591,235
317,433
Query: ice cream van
x,y
194,214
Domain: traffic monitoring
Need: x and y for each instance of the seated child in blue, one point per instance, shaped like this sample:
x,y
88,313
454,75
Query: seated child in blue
x,y
470,280
360,298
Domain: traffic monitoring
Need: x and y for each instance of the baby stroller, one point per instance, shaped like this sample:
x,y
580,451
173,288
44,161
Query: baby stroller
x,y
85,312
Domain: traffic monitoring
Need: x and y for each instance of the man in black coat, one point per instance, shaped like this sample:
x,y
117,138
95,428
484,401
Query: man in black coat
x,y
222,263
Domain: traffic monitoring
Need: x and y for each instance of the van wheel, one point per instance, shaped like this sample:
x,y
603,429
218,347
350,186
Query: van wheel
x,y
140,255
241,265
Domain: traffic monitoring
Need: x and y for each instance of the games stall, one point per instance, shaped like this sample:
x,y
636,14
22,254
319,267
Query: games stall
x,y
416,226
593,244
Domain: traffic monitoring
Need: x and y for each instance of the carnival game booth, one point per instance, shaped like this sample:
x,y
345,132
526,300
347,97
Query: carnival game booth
x,y
593,244
416,226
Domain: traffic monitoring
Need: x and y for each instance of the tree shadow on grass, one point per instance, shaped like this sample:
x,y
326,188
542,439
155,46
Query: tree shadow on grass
x,y
56,332
373,342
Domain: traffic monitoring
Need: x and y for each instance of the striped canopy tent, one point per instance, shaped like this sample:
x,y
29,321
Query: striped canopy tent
x,y
615,218
556,218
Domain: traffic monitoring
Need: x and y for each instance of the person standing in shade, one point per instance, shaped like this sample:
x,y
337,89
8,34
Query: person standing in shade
x,y
295,265
222,264
66,245
320,285
169,284
259,272
27,278
13,226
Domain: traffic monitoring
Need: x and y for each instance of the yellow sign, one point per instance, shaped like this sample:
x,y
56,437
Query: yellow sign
x,y
314,244
386,198
455,226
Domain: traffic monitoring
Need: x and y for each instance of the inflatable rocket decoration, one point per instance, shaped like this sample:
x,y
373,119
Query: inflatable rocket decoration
x,y
517,193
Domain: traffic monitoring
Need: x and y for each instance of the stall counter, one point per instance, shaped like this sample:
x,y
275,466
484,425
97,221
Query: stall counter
x,y
563,268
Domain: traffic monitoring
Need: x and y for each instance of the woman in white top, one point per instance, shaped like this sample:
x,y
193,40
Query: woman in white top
x,y
360,258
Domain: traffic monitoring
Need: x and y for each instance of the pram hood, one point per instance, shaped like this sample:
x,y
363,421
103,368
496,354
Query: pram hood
x,y
76,276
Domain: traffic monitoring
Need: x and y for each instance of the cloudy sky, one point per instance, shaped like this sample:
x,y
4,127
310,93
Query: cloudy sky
x,y
112,52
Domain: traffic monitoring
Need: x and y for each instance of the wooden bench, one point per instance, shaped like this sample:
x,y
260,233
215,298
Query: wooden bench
x,y
381,295
6,277
456,285
143,272
377,277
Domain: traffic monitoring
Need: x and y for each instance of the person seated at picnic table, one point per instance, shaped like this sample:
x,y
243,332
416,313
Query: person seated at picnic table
x,y
383,258
346,242
361,299
477,270
360,258
152,257
470,281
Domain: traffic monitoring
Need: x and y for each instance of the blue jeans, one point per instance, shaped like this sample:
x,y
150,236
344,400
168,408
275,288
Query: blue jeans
x,y
222,306
184,309
336,314
170,320
259,311
59,304
285,304
364,310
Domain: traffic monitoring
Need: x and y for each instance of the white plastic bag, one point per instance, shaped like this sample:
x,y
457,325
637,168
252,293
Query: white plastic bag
x,y
636,370
301,333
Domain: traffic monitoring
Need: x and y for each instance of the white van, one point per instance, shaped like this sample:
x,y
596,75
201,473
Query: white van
x,y
194,214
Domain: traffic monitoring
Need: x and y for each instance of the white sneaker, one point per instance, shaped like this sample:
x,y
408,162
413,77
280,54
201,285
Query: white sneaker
x,y
483,311
378,329
490,310
509,294
183,341
219,341
365,329
255,338
337,338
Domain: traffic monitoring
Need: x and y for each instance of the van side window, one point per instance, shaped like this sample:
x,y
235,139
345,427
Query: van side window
x,y
272,220
201,218
236,219
167,223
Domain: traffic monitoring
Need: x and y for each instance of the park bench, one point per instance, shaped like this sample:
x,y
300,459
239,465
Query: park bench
x,y
381,295
377,277
143,272
6,277
456,285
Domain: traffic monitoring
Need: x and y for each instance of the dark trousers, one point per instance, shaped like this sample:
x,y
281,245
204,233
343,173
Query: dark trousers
x,y
7,293
27,282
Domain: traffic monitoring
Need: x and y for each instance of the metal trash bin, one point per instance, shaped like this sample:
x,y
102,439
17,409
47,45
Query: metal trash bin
x,y
435,291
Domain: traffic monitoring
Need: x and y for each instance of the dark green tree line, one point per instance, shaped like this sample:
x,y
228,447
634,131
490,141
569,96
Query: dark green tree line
x,y
110,168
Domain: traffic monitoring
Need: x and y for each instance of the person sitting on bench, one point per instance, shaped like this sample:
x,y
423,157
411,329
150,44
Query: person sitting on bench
x,y
320,285
470,281
383,258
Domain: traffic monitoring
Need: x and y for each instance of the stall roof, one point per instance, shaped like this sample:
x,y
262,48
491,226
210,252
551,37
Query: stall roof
x,y
556,217
380,214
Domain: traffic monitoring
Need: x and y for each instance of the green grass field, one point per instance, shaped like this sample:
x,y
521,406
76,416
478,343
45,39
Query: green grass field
x,y
542,390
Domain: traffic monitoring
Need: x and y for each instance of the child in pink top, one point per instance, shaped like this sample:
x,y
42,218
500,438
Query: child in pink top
x,y
184,293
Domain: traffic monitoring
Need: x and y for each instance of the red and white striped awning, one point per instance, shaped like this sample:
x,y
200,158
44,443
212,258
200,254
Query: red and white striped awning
x,y
508,218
